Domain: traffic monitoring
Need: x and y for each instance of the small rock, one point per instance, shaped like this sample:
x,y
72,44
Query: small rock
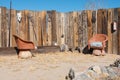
x,y
98,52
25,54
63,48
96,69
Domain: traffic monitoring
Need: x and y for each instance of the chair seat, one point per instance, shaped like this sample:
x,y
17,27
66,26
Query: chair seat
x,y
96,44
98,41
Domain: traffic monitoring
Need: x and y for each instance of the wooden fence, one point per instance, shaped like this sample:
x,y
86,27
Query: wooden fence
x,y
45,28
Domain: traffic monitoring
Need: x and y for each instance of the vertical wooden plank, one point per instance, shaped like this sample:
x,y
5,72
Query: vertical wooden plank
x,y
31,26
0,25
22,28
39,30
99,21
54,35
109,31
36,18
71,29
49,28
84,30
102,21
62,19
26,25
80,32
89,22
7,28
13,27
119,31
58,28
115,33
75,26
65,28
3,27
94,22
43,18
18,23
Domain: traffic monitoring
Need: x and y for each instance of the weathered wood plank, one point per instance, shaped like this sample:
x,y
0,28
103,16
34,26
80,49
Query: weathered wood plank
x,y
109,31
62,24
7,28
89,22
26,13
99,21
115,33
36,18
58,28
13,27
66,25
0,26
71,29
49,28
4,27
85,30
94,22
102,21
22,26
119,31
75,26
31,26
44,35
40,41
54,35
79,30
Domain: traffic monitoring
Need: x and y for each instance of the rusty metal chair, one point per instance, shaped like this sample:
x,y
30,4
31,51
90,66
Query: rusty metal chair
x,y
98,41
23,46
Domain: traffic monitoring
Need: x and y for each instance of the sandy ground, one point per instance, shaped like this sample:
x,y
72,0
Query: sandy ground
x,y
49,66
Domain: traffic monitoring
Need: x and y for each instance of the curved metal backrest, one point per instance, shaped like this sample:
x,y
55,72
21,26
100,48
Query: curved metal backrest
x,y
22,44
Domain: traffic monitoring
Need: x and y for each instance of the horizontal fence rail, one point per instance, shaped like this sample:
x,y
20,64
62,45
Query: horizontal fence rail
x,y
46,28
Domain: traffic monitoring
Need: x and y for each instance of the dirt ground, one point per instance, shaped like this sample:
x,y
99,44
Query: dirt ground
x,y
49,66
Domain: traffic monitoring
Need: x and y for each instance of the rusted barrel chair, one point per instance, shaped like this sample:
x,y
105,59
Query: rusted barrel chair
x,y
98,43
24,47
